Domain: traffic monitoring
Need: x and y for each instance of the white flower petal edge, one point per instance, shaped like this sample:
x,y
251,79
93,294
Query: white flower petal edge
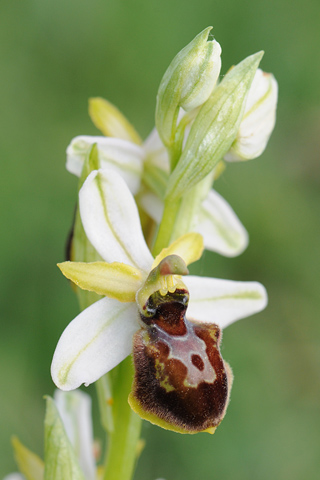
x,y
111,220
220,227
97,340
75,412
223,302
121,156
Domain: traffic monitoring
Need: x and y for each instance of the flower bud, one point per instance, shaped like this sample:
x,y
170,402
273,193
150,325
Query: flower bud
x,y
187,83
214,128
258,120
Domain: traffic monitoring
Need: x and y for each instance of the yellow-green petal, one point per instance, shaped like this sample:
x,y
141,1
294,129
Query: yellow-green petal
x,y
110,121
189,247
30,465
114,280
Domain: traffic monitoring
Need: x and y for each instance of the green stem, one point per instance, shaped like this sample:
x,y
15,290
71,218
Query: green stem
x,y
169,216
123,442
104,393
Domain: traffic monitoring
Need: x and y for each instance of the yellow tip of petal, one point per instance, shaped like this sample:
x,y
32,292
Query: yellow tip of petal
x,y
112,123
189,247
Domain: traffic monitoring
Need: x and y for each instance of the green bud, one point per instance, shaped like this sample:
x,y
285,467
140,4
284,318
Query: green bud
x,y
187,83
60,458
214,128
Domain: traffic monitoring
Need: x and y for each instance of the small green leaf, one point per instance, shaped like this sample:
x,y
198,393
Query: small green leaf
x,y
60,458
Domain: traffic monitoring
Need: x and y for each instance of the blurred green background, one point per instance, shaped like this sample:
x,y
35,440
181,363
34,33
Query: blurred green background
x,y
56,54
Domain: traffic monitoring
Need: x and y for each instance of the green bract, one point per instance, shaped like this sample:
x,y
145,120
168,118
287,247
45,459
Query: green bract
x,y
60,458
214,128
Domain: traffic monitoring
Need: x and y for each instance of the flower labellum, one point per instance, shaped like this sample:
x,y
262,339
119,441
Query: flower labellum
x,y
181,381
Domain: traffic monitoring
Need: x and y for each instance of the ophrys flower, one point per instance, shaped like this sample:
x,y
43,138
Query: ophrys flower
x,y
101,336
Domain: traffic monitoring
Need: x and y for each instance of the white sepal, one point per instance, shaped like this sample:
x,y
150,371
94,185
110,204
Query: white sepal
x,y
111,220
221,229
121,156
97,340
223,301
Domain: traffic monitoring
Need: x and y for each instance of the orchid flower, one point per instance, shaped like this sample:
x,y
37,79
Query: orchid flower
x,y
136,287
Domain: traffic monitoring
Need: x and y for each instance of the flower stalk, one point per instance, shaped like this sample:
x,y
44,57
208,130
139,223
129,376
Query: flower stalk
x,y
123,442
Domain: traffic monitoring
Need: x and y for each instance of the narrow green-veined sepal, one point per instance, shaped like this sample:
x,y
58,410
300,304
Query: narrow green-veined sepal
x,y
214,128
30,465
60,458
110,121
114,280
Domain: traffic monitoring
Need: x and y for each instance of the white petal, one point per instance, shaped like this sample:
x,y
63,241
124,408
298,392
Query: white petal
x,y
121,156
111,220
223,301
156,152
94,343
221,229
75,412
